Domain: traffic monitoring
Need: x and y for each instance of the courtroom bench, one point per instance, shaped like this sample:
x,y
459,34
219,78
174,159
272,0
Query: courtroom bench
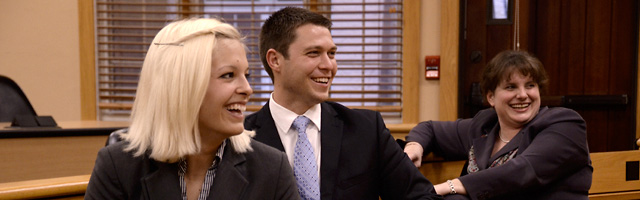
x,y
609,176
40,153
609,179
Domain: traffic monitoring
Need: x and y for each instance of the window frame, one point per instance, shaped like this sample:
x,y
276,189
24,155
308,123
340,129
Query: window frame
x,y
410,60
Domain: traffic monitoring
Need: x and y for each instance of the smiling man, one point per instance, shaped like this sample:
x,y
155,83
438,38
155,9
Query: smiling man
x,y
336,152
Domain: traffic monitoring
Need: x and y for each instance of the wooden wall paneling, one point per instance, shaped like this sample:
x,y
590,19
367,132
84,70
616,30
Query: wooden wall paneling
x,y
474,41
622,64
87,60
449,60
596,132
637,29
411,61
623,18
547,29
572,48
618,136
527,19
598,39
597,54
621,78
499,38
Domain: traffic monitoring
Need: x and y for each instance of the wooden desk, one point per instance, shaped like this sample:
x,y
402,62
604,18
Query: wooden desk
x,y
65,128
40,153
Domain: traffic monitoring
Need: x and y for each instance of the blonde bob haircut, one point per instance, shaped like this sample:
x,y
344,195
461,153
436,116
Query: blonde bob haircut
x,y
173,82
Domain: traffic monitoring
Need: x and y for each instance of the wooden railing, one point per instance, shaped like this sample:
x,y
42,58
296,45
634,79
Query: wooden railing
x,y
615,175
611,171
71,187
610,182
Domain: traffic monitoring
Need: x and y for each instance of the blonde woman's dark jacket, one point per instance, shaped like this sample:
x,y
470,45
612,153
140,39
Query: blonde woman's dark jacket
x,y
263,173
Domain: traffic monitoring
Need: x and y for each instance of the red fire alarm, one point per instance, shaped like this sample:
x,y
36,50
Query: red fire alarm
x,y
432,67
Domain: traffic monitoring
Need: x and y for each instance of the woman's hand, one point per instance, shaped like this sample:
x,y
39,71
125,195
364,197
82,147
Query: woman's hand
x,y
442,189
445,188
414,150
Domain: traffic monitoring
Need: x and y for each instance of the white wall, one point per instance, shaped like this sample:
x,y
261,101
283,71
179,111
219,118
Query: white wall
x,y
39,49
430,32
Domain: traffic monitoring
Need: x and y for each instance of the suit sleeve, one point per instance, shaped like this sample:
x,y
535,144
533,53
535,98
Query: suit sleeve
x,y
287,188
104,183
400,178
450,140
558,149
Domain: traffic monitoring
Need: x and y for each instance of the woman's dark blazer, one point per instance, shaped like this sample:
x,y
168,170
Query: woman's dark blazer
x,y
552,161
263,173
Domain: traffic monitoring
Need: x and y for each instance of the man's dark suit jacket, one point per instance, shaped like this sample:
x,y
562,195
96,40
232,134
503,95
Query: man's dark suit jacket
x,y
552,161
360,158
263,173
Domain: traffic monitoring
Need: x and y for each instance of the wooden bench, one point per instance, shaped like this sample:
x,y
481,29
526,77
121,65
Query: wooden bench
x,y
609,178
609,174
41,153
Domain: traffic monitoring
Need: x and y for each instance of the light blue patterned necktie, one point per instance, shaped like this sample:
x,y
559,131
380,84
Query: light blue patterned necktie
x,y
304,162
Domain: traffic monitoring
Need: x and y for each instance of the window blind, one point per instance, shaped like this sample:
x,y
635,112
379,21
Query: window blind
x,y
368,34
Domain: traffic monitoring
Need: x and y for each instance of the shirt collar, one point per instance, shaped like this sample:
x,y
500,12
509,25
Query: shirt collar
x,y
284,117
216,160
220,151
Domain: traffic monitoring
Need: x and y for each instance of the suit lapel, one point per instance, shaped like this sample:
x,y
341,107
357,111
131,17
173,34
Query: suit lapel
x,y
513,144
483,147
331,140
164,183
231,180
519,141
266,131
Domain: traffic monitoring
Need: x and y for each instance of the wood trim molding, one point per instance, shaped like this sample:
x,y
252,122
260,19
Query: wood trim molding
x,y
43,188
87,61
449,48
400,131
410,61
610,171
638,93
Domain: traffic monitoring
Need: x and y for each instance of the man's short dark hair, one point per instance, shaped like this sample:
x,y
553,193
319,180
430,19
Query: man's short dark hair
x,y
279,31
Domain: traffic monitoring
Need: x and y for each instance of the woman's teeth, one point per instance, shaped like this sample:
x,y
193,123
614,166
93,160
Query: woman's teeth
x,y
237,107
520,105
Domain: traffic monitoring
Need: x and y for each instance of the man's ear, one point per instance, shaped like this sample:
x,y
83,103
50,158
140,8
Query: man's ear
x,y
274,59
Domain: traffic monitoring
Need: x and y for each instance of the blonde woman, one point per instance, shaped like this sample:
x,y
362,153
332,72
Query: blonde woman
x,y
186,139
